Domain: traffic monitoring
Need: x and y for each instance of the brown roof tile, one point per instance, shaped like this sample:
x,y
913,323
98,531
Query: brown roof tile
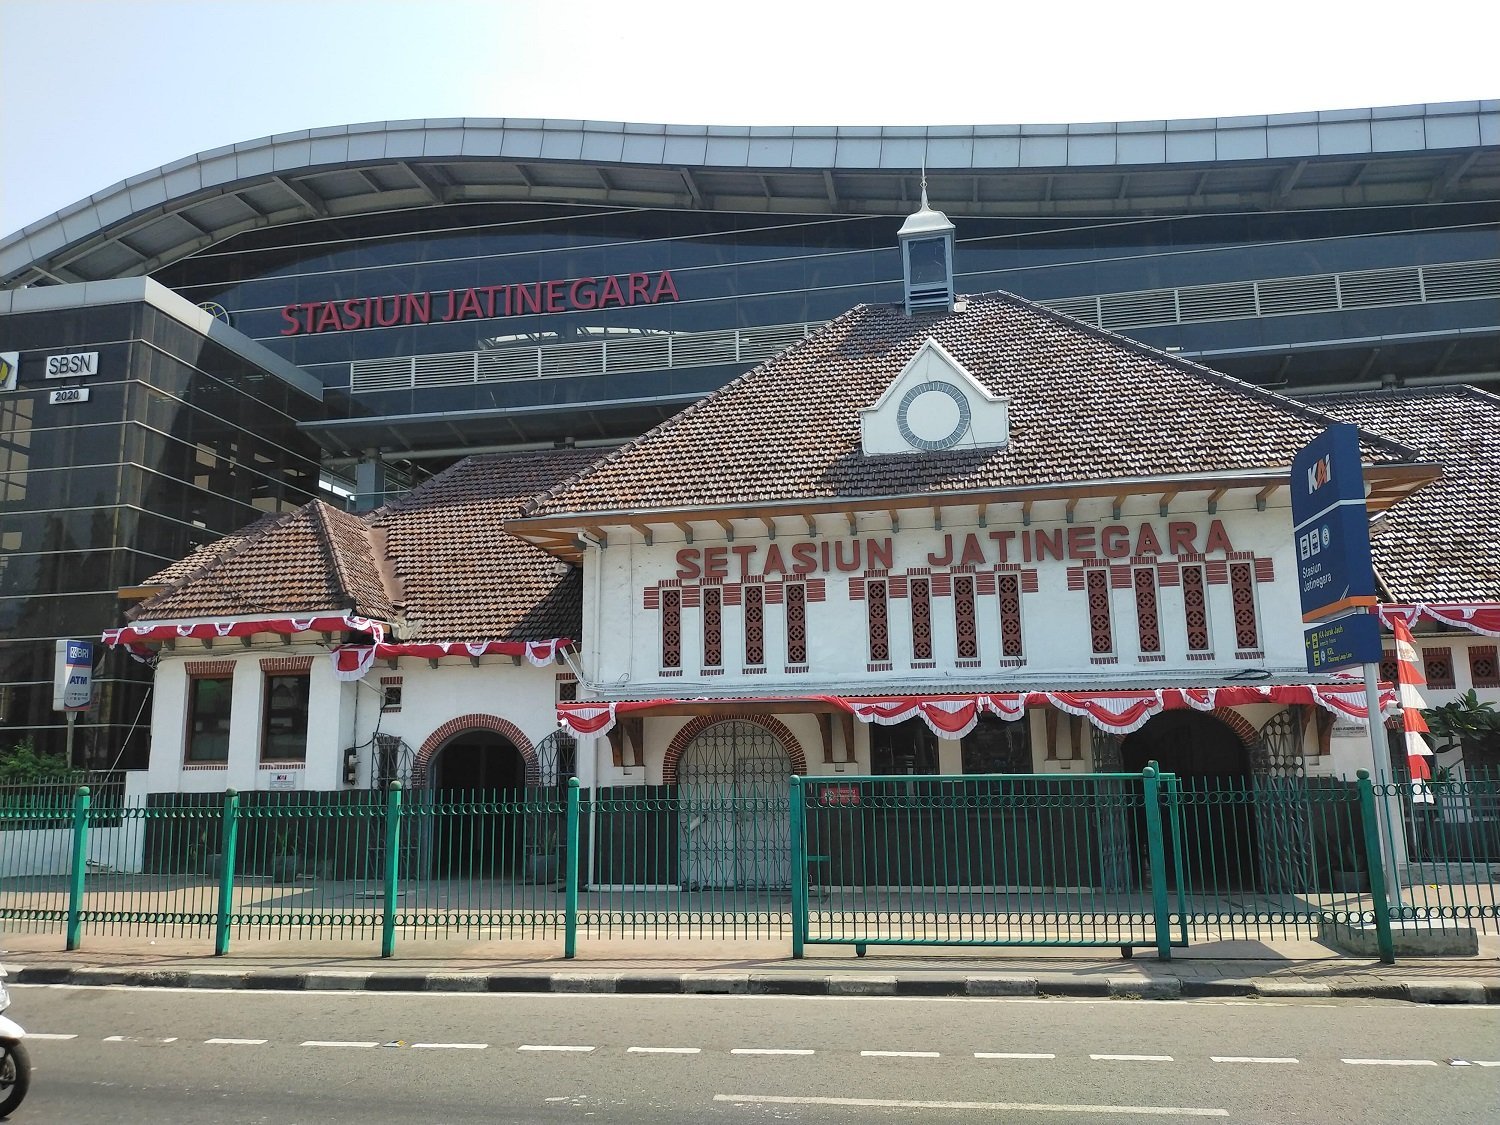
x,y
1440,544
1085,405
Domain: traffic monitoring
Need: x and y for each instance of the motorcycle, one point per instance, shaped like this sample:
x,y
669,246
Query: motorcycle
x,y
15,1064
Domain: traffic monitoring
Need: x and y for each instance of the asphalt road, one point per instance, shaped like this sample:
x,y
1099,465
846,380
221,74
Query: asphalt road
x,y
168,1057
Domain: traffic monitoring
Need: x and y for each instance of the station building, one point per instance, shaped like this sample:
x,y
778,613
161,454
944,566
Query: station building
x,y
400,295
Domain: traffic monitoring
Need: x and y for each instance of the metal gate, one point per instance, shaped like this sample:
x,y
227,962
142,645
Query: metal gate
x,y
1115,818
734,828
1285,836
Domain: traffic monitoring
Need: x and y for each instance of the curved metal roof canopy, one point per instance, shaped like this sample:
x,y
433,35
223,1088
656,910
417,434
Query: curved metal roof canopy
x,y
1344,158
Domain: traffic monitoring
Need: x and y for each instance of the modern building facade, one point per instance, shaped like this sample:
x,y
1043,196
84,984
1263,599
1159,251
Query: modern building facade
x,y
465,285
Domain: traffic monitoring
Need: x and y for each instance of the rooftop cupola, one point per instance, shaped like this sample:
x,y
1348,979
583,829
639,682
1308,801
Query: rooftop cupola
x,y
927,258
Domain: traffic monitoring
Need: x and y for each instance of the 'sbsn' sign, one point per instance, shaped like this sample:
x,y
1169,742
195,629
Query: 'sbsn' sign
x,y
72,365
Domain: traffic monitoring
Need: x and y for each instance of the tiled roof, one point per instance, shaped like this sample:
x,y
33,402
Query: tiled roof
x,y
1085,405
1441,544
462,576
437,560
207,553
315,559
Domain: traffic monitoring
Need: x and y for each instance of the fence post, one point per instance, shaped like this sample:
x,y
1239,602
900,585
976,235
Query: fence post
x,y
1174,808
1151,794
1376,863
80,865
392,864
570,898
799,867
230,846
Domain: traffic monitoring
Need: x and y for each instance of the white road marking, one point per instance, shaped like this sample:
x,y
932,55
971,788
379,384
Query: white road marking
x,y
1389,1062
335,1043
554,1047
1250,1059
450,1046
770,1051
987,1107
237,1042
1010,1055
664,1050
137,1039
899,1055
44,1035
1131,1058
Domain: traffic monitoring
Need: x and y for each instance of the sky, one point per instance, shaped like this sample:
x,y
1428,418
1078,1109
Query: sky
x,y
95,91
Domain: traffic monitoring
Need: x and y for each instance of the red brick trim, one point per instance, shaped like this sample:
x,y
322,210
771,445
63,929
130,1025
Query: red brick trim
x,y
210,669
694,727
462,725
286,665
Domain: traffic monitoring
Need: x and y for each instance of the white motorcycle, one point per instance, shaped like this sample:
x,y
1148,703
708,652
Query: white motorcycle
x,y
15,1066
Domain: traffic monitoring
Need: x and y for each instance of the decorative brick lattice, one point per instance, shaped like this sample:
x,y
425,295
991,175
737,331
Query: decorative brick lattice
x,y
755,626
1437,666
671,628
1008,586
1100,628
880,632
965,623
1484,668
1242,592
921,619
796,623
1195,608
713,627
1148,625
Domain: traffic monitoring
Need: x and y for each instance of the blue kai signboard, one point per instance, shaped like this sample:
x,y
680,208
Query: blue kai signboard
x,y
1331,530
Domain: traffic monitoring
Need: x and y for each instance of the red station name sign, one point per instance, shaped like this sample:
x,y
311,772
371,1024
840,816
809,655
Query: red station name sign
x,y
481,303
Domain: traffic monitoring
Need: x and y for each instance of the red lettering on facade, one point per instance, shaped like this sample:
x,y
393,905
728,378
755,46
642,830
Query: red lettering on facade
x,y
1146,543
687,564
1081,543
1114,541
1218,538
1180,536
715,562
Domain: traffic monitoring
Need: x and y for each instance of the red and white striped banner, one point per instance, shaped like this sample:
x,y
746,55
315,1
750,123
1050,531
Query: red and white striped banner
x,y
1410,681
1476,617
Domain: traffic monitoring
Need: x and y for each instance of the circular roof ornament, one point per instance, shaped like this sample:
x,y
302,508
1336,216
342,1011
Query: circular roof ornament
x,y
933,416
215,310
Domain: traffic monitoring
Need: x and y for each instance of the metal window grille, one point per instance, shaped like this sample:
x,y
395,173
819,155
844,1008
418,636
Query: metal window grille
x,y
1195,608
1242,592
1100,627
965,624
1148,623
671,628
796,623
921,619
1009,588
713,627
880,634
755,626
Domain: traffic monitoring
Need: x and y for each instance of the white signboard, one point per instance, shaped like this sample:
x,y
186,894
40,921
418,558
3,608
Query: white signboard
x,y
73,677
72,365
69,394
285,780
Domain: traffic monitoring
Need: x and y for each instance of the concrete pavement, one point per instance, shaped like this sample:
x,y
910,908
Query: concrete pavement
x,y
1296,968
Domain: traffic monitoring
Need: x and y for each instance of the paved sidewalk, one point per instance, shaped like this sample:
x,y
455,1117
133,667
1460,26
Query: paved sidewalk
x,y
1303,969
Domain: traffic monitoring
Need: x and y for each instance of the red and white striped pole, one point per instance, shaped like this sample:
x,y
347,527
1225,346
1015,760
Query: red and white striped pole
x,y
1410,681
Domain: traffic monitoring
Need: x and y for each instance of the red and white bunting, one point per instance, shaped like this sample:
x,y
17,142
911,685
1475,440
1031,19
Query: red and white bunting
x,y
1410,681
1477,617
352,662
953,716
137,637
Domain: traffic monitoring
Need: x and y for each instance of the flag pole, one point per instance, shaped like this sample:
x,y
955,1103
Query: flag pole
x,y
1393,838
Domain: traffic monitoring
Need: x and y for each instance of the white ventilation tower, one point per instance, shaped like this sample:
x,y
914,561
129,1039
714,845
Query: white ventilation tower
x,y
927,258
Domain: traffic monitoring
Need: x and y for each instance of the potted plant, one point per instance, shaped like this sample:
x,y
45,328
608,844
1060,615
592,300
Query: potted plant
x,y
284,863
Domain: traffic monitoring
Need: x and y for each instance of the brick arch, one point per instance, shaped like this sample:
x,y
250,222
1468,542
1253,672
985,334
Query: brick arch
x,y
462,725
1243,728
684,738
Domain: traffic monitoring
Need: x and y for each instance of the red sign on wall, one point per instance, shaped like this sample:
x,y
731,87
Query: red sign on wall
x,y
838,795
481,303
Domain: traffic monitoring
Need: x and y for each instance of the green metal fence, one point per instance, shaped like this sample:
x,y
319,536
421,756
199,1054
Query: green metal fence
x,y
1127,860
1042,860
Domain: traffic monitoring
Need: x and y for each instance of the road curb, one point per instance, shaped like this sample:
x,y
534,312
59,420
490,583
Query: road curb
x,y
1429,991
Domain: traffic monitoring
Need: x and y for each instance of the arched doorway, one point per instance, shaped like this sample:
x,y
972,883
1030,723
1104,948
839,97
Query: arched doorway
x,y
478,779
1212,764
734,823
